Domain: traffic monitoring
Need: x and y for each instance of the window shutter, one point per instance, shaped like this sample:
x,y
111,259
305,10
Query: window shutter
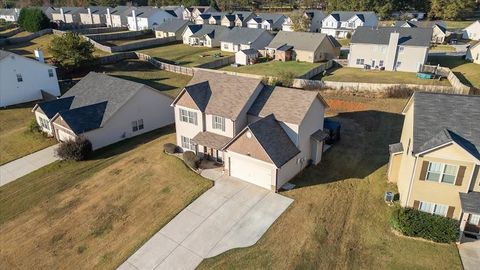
x,y
450,211
416,204
423,173
460,175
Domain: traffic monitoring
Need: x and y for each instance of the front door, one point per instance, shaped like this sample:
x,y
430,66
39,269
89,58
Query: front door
x,y
373,63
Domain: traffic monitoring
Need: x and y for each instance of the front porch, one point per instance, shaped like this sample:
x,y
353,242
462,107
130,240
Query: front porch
x,y
209,146
470,219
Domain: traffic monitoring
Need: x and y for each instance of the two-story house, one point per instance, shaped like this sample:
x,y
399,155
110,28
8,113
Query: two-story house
x,y
263,135
267,21
242,38
143,18
440,32
204,35
314,18
117,16
93,15
390,48
437,161
236,18
341,24
67,15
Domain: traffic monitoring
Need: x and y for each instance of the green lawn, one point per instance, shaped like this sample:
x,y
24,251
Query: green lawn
x,y
94,214
467,72
273,68
443,48
347,74
344,41
338,219
184,55
16,140
458,24
118,42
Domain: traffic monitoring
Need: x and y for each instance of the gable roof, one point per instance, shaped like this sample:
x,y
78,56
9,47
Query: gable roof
x,y
287,104
381,35
442,118
473,24
5,54
305,41
214,31
423,24
470,202
342,16
243,35
51,108
273,17
172,25
314,13
220,94
274,140
68,10
86,118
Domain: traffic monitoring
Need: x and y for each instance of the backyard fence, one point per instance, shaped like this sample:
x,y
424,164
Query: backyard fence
x,y
16,40
99,30
11,33
117,57
451,77
227,60
117,35
165,66
317,70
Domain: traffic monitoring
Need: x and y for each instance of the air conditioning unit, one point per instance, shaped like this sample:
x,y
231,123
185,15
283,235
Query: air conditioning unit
x,y
389,196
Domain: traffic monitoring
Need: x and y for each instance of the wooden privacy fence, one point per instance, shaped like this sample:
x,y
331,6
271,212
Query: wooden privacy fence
x,y
165,66
459,87
317,70
16,40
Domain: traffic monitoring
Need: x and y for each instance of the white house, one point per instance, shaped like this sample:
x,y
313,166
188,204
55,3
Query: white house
x,y
105,110
23,79
241,38
147,18
246,57
472,31
473,53
9,14
93,15
314,18
341,24
204,35
263,135
267,21
67,14
117,16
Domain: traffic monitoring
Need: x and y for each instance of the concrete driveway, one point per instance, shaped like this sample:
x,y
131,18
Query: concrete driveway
x,y
232,214
470,253
15,169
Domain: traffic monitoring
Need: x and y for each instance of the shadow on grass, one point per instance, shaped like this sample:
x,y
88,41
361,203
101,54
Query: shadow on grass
x,y
362,150
152,82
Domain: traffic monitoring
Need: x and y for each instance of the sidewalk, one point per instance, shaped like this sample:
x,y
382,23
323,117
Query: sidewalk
x,y
27,164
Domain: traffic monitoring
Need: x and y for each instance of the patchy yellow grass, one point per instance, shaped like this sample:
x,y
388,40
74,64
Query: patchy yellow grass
x,y
94,214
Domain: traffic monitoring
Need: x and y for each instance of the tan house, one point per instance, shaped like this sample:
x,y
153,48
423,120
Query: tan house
x,y
473,53
439,34
436,163
303,46
263,135
105,110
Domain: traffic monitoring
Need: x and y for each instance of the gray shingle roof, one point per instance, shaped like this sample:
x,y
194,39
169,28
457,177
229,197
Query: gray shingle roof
x,y
287,104
210,139
222,94
243,35
395,148
173,25
470,202
51,108
320,135
85,118
304,41
208,29
4,54
274,17
250,51
442,118
274,140
7,11
346,15
381,35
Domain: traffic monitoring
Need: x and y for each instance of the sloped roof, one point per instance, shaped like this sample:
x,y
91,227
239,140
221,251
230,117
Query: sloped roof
x,y
86,118
423,24
320,135
346,15
68,10
381,35
470,202
395,148
442,118
208,29
51,108
243,35
94,10
287,104
314,13
249,51
210,139
274,17
220,94
274,140
173,25
8,11
304,41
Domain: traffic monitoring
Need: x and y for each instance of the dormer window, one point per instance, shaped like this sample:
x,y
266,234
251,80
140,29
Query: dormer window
x,y
218,122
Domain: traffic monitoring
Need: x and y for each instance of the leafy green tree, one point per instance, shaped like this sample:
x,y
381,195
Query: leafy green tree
x,y
71,50
299,22
33,19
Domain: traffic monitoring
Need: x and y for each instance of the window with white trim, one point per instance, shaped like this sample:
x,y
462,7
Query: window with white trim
x,y
137,125
474,219
218,122
439,172
433,208
188,116
19,77
50,73
188,143
44,123
360,61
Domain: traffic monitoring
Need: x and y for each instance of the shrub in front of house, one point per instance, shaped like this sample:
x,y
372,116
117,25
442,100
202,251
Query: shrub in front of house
x,y
33,126
170,148
414,223
76,150
191,159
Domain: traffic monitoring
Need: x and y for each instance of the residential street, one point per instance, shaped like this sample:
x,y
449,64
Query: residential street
x,y
27,164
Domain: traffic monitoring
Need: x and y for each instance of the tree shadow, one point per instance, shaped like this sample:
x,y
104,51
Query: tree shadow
x,y
363,149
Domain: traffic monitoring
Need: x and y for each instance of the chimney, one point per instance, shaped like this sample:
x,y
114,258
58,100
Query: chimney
x,y
62,14
39,55
109,18
391,56
135,25
90,15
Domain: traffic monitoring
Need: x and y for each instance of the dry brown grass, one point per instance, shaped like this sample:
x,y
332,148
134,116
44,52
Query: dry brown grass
x,y
94,214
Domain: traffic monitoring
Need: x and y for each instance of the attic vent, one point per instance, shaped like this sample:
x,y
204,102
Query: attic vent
x,y
249,134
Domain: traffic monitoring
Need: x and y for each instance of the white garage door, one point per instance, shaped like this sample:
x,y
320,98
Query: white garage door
x,y
64,136
248,169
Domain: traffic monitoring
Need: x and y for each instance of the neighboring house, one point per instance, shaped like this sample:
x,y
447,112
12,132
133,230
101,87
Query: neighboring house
x,y
436,163
390,48
105,110
303,46
216,18
314,18
194,11
287,25
241,38
93,15
236,18
440,32
473,53
9,14
172,28
48,11
246,57
147,18
204,35
263,135
202,19
341,24
410,15
117,16
23,79
267,21
228,20
67,15
177,11
472,31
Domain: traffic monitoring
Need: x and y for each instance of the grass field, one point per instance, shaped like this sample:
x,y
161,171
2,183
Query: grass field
x,y
458,24
94,214
467,72
339,219
347,74
27,48
443,48
16,140
184,55
273,68
126,40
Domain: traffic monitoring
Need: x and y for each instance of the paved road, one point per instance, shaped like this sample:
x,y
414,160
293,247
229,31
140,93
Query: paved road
x,y
470,253
231,214
27,164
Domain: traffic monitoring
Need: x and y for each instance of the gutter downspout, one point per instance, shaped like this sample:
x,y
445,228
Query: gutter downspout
x,y
411,181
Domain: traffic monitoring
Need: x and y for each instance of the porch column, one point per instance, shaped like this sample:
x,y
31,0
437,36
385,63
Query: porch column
x,y
463,222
